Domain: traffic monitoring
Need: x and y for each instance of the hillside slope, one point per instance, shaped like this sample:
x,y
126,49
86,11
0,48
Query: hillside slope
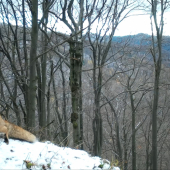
x,y
47,155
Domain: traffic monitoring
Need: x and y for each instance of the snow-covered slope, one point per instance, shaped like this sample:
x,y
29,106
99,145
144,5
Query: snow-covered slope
x,y
46,155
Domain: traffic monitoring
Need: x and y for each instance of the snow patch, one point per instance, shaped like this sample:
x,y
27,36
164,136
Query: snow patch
x,y
17,153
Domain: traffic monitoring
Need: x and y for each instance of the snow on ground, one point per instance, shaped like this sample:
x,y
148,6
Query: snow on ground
x,y
46,155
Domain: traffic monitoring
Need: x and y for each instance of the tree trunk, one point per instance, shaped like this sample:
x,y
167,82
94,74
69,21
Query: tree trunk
x,y
32,76
118,139
97,131
43,117
76,53
97,121
39,81
48,101
25,85
64,106
133,131
154,122
58,114
81,17
125,164
76,56
157,63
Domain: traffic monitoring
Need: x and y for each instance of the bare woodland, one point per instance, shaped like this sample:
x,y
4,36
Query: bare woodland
x,y
81,89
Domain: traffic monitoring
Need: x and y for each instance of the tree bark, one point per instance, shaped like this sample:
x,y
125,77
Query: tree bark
x,y
32,76
76,53
133,131
157,64
25,85
64,106
42,98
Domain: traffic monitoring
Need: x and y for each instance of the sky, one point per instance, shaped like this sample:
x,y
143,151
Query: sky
x,y
132,25
140,24
12,156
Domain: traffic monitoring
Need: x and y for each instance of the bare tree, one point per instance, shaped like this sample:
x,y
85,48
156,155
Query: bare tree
x,y
100,43
76,56
157,58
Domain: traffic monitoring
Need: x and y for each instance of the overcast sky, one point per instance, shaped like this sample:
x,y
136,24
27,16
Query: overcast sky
x,y
140,24
130,26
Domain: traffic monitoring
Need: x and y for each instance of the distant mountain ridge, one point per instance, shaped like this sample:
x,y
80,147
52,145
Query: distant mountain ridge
x,y
145,42
142,39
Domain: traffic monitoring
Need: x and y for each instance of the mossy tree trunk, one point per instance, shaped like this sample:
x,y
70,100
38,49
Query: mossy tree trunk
x,y
76,57
76,52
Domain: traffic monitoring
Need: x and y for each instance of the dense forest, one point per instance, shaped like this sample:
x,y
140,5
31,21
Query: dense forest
x,y
86,89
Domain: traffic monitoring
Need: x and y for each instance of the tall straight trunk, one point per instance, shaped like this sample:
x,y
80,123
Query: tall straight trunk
x,y
125,164
43,117
147,152
39,82
133,126
32,76
97,121
157,63
25,85
57,114
80,100
154,117
14,95
43,87
133,134
76,53
118,139
65,140
41,75
80,80
48,100
97,131
16,109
